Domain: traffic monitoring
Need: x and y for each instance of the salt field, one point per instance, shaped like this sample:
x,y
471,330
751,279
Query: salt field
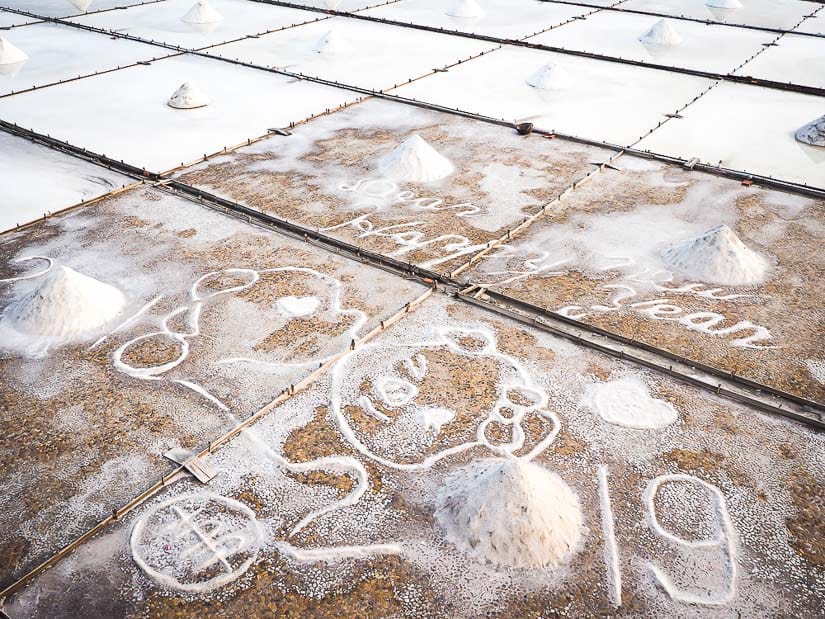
x,y
412,308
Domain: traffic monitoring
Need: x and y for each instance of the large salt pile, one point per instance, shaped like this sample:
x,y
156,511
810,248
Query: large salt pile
x,y
415,161
626,402
332,44
813,133
11,54
188,97
724,4
202,13
466,9
510,513
551,76
67,306
662,33
718,257
81,5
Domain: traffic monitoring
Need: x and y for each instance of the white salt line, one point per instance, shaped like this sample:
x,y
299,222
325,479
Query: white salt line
x,y
310,555
129,320
611,550
31,275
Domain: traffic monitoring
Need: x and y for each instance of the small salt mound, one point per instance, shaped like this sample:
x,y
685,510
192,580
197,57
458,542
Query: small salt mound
x,y
718,257
202,13
662,33
81,5
627,403
188,97
332,44
415,161
551,76
66,306
11,54
510,513
813,133
466,9
724,4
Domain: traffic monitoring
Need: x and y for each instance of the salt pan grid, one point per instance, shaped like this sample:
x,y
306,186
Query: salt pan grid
x,y
715,49
64,8
777,14
602,101
721,129
109,114
794,59
203,383
59,52
363,54
162,22
37,179
503,19
814,24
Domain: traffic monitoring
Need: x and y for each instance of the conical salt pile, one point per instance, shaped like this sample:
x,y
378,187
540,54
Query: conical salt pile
x,y
724,4
202,13
188,97
332,44
67,305
415,161
718,257
662,33
510,513
11,54
81,5
813,133
551,76
466,9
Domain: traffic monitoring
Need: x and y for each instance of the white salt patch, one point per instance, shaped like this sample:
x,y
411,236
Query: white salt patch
x,y
415,161
10,53
202,13
510,513
66,307
551,76
626,402
332,4
718,257
662,33
813,133
332,44
724,4
817,369
465,9
188,97
292,307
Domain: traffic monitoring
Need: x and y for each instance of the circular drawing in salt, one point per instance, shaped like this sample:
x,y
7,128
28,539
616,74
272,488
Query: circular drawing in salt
x,y
511,513
196,542
627,403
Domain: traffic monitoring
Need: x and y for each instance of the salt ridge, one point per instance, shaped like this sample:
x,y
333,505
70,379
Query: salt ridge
x,y
662,33
10,53
719,257
510,513
551,76
466,9
188,97
415,161
202,13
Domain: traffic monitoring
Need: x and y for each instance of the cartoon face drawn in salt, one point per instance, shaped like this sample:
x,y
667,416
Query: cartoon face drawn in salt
x,y
383,401
240,321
